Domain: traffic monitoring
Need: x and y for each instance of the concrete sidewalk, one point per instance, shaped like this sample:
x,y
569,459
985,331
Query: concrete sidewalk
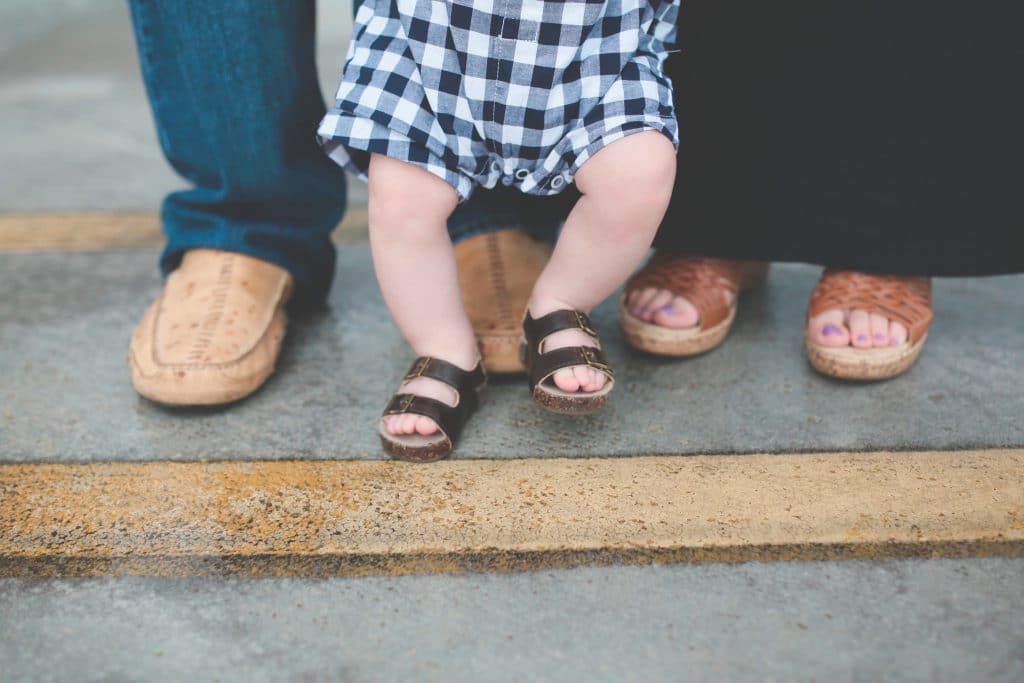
x,y
66,319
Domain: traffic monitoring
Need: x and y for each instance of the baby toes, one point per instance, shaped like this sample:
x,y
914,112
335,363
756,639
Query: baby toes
x,y
566,380
425,426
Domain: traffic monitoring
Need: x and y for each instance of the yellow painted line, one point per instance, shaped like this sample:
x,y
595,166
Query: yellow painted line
x,y
355,518
98,230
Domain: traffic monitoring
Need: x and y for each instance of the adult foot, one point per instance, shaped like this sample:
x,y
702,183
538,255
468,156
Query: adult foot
x,y
852,313
214,333
497,271
683,305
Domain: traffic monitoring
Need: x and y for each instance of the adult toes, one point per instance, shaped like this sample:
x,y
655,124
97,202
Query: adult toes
x,y
677,314
829,329
642,298
662,298
426,426
879,330
860,329
897,334
565,379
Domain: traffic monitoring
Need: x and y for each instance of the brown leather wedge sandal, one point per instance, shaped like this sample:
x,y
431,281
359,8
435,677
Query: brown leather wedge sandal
x,y
907,300
707,283
541,365
450,419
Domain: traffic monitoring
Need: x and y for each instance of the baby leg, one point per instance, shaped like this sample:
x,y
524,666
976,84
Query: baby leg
x,y
626,188
415,265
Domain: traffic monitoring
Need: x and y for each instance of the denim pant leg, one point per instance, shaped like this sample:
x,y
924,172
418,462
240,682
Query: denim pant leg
x,y
234,92
503,207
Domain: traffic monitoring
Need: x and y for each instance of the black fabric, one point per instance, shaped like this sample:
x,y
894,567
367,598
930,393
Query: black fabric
x,y
876,136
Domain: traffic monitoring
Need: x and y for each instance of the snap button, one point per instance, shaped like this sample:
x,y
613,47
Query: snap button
x,y
522,174
557,182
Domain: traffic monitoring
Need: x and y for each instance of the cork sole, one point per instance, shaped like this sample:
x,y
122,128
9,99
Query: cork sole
x,y
665,341
415,447
558,401
863,365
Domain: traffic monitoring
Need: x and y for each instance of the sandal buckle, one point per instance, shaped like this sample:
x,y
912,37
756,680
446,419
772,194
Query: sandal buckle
x,y
582,324
421,366
403,405
592,360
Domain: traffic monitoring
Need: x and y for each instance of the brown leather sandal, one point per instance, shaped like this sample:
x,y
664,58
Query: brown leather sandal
x,y
907,300
707,283
541,365
450,419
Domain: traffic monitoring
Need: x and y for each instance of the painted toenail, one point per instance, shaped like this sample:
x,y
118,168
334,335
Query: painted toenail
x,y
862,337
830,330
894,341
667,308
879,337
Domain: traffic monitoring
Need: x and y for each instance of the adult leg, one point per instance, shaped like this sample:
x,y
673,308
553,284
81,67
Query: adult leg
x,y
234,94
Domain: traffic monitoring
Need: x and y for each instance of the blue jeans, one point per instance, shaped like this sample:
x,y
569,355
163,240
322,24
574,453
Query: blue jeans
x,y
234,92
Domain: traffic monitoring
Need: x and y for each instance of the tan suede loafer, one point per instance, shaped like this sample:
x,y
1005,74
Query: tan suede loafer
x,y
214,333
497,271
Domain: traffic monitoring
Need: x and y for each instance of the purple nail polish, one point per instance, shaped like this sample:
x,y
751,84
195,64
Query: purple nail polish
x,y
879,337
862,337
894,341
667,308
830,330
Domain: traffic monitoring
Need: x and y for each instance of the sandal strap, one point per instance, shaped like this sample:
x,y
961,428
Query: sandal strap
x,y
449,419
706,283
548,363
908,300
536,330
449,373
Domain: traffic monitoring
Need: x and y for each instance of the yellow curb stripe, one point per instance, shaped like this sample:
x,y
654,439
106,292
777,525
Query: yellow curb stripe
x,y
354,518
98,230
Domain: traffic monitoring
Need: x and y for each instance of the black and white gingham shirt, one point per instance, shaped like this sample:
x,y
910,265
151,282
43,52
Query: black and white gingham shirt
x,y
520,92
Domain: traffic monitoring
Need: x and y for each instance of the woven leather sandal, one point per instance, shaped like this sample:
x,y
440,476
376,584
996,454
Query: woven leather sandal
x,y
542,365
450,419
707,283
907,300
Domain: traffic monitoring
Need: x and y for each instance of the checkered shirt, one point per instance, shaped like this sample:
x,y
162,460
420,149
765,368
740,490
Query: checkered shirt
x,y
519,92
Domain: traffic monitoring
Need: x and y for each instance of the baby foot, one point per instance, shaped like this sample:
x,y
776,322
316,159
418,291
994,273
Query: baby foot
x,y
408,423
578,378
857,328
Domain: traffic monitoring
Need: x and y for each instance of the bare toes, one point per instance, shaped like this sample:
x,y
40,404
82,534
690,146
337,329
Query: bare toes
x,y
860,329
426,426
662,298
677,314
642,298
879,330
565,379
897,334
829,329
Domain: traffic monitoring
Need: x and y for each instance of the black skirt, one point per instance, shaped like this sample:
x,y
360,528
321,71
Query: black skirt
x,y
880,136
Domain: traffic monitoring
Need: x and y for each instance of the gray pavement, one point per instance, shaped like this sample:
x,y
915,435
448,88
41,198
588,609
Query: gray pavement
x,y
938,620
65,320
